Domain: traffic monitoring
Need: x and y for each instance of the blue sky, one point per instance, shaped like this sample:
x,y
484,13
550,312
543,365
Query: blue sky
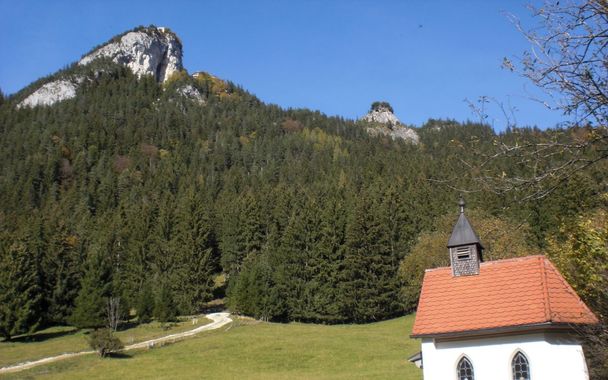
x,y
424,57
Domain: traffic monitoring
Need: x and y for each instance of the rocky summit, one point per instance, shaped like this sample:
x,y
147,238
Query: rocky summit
x,y
384,122
148,51
154,51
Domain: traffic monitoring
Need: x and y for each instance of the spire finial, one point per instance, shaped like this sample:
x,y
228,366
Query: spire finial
x,y
461,204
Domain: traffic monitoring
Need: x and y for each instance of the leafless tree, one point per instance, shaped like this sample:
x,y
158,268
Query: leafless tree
x,y
568,60
113,313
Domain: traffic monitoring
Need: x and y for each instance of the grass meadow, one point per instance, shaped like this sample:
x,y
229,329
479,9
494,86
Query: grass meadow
x,y
248,349
61,339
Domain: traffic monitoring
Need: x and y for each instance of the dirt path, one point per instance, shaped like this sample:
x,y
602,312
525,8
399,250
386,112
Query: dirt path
x,y
219,320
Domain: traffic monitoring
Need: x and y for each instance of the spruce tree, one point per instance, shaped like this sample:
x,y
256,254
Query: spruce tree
x,y
20,293
329,262
61,265
91,303
255,291
369,285
195,253
300,261
164,308
145,304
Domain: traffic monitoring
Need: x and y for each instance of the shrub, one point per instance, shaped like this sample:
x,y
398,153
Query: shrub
x,y
104,342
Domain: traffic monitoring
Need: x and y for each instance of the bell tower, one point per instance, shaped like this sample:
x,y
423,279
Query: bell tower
x,y
464,246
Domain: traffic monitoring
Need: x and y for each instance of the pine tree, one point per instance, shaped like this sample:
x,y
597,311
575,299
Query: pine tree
x,y
90,308
20,293
61,265
139,235
195,247
256,292
243,232
369,286
164,308
330,256
299,260
145,304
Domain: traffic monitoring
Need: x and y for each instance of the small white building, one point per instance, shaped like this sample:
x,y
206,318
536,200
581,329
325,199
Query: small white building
x,y
511,319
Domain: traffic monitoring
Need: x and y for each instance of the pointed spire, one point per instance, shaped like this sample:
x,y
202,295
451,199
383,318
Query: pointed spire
x,y
463,233
464,246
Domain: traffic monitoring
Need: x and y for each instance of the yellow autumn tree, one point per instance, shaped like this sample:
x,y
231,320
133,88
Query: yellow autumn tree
x,y
580,251
581,254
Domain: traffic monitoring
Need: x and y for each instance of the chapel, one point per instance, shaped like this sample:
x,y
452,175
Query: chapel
x,y
513,319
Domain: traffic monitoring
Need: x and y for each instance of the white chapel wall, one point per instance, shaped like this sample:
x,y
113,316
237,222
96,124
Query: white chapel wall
x,y
552,356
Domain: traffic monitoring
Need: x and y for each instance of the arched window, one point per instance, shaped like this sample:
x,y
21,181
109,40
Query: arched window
x,y
464,370
520,366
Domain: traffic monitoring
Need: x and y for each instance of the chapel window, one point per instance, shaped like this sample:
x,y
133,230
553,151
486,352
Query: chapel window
x,y
520,367
464,370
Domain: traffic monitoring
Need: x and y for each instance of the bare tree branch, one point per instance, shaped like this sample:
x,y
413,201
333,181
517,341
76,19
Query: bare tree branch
x,y
568,60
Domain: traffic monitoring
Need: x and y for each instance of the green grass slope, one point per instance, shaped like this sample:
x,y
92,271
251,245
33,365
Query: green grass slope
x,y
61,339
252,350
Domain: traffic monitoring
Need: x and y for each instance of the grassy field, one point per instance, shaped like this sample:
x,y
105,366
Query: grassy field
x,y
254,350
58,340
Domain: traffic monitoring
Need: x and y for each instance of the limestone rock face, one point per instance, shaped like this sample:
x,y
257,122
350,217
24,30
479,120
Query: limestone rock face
x,y
384,122
147,51
382,115
190,92
51,93
150,51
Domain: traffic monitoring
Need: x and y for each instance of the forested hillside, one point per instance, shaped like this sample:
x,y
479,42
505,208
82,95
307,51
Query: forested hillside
x,y
133,191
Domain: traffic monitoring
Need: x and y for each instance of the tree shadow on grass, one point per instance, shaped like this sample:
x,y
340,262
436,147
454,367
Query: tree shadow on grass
x,y
40,337
119,355
127,325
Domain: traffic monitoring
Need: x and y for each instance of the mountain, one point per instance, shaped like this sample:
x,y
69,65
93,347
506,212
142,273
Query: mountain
x,y
154,51
191,187
384,122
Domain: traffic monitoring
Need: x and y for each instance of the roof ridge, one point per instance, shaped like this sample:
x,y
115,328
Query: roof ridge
x,y
512,259
543,281
494,262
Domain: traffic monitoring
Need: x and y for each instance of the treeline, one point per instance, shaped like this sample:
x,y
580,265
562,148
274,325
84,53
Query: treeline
x,y
130,191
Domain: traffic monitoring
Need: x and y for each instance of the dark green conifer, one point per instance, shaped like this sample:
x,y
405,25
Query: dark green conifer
x,y
62,268
145,304
195,253
91,303
164,308
20,293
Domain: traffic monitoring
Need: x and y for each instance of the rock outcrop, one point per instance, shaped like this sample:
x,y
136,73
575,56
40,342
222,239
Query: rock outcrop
x,y
190,92
149,51
384,122
51,93
146,51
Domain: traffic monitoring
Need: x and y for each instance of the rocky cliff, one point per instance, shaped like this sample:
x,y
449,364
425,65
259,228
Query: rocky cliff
x,y
52,92
383,121
146,51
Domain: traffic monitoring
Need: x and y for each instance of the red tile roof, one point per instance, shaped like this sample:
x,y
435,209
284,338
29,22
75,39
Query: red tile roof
x,y
519,292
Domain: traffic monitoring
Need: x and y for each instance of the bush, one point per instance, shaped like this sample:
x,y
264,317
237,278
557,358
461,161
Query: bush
x,y
104,342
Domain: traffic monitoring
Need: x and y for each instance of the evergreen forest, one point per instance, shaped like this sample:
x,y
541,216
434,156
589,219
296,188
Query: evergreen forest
x,y
133,193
